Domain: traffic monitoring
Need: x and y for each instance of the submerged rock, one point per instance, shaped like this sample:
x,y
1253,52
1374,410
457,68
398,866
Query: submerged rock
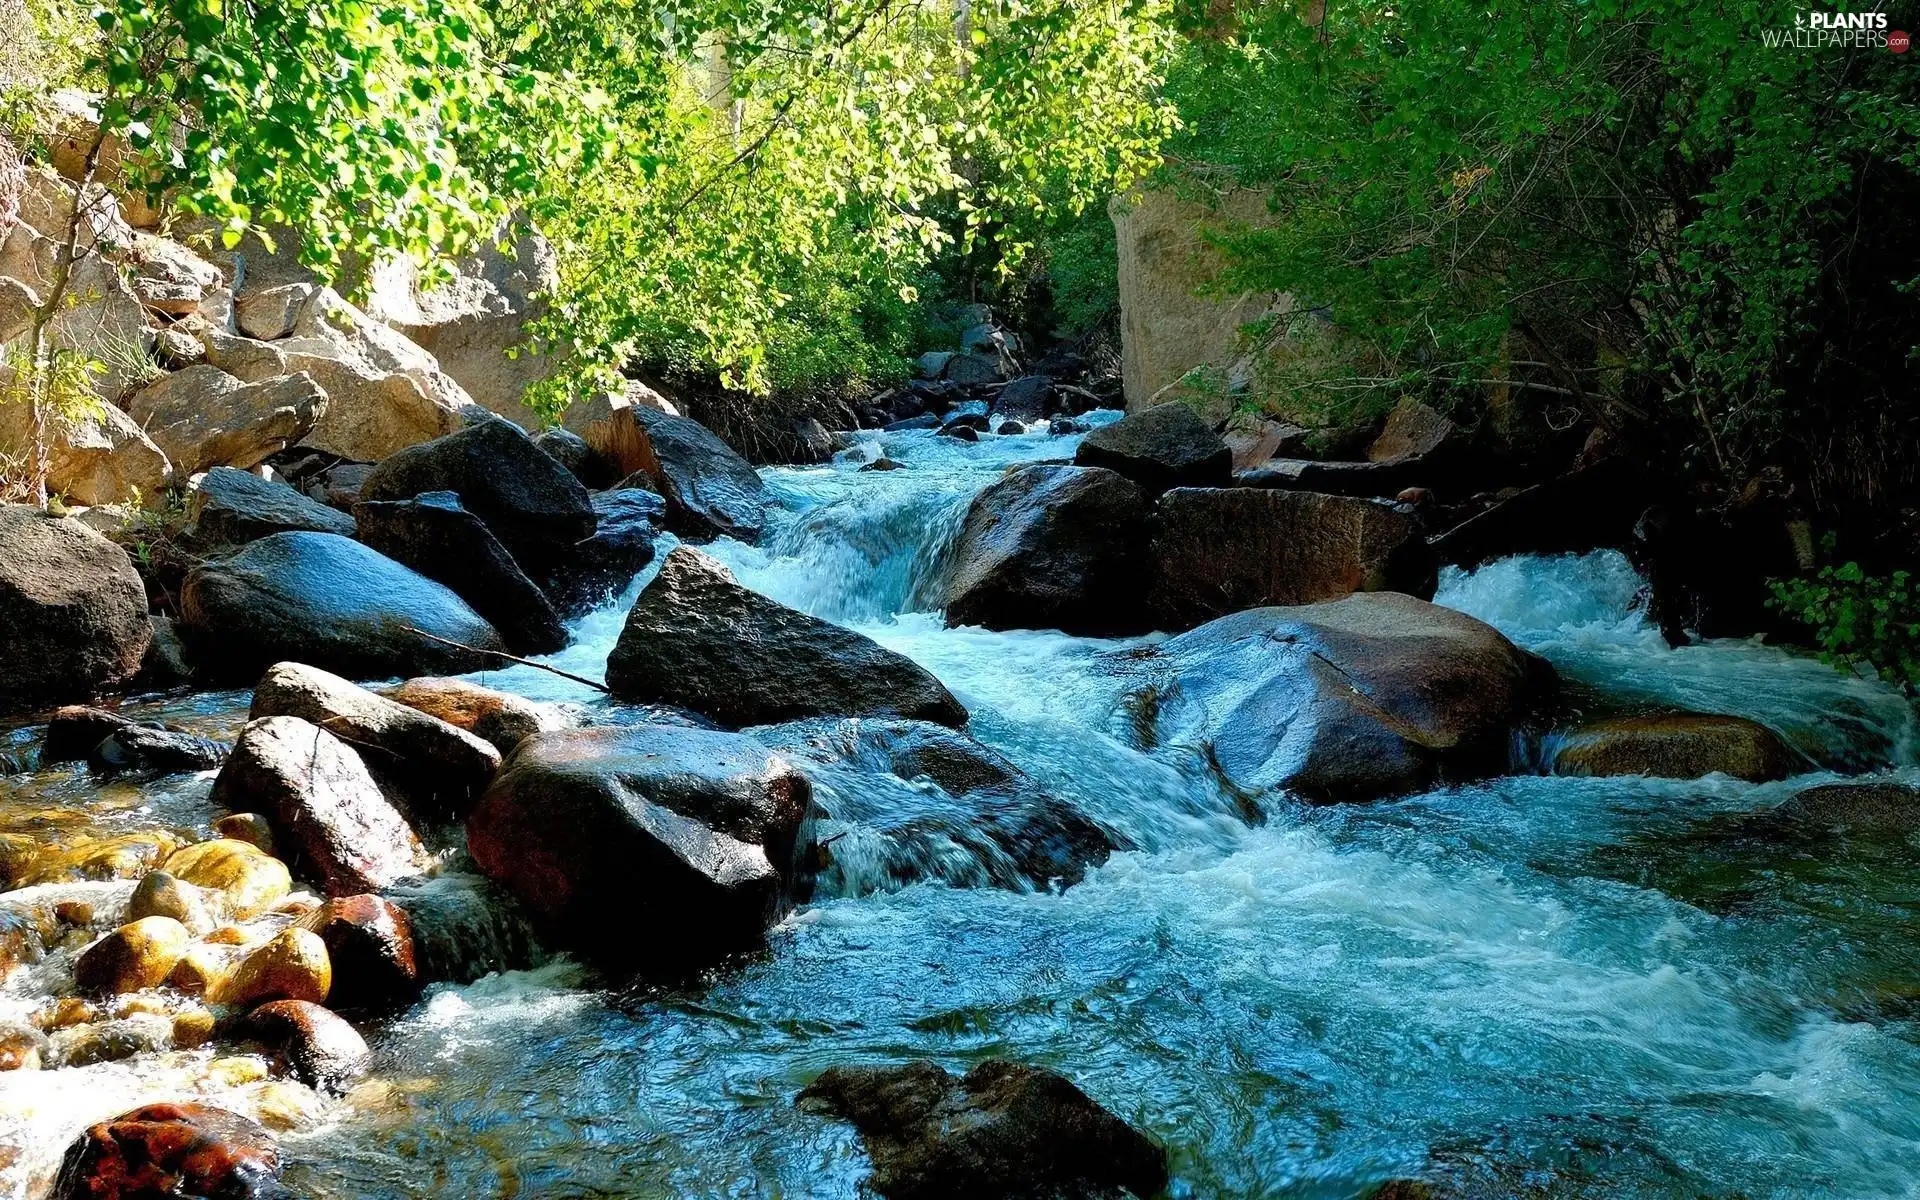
x,y
311,1043
697,639
651,846
327,600
73,611
326,808
1051,547
1166,446
1676,746
1004,1130
1869,807
175,1150
1351,699
710,490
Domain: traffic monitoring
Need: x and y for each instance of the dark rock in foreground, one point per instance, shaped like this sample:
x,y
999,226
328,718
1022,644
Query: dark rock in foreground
x,y
653,847
1003,1130
1373,695
184,1150
329,601
73,612
1166,446
697,639
1676,746
1050,547
311,1043
140,748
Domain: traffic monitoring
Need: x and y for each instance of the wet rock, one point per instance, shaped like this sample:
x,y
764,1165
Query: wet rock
x,y
159,894
500,719
111,1041
312,1044
710,490
138,955
1050,547
249,827
75,729
530,502
1868,807
653,846
73,611
1166,446
1350,699
328,600
607,422
139,748
325,806
1677,746
206,967
174,1150
960,433
968,414
434,535
922,421
1220,550
811,442
1063,426
23,1048
697,639
202,417
1002,1130
590,573
83,857
882,464
232,508
369,941
1028,398
465,927
248,881
291,965
440,766
571,451
1010,429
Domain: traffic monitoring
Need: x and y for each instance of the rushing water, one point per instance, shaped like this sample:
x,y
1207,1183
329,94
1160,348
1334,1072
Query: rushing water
x,y
1532,986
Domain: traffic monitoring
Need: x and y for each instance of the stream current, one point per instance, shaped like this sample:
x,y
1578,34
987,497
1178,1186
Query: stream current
x,y
1531,986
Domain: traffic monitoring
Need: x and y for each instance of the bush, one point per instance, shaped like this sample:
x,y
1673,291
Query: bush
x,y
1859,619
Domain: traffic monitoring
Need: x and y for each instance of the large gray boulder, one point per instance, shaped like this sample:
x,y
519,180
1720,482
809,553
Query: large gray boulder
x,y
1166,446
1352,699
73,612
653,847
1052,547
1220,550
710,490
327,600
203,417
697,639
231,507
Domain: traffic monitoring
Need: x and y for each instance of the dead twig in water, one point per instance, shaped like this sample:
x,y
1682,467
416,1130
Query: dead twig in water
x,y
512,658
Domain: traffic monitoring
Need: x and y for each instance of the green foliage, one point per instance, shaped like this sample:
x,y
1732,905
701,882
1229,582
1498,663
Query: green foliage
x,y
1859,619
43,47
62,386
1082,269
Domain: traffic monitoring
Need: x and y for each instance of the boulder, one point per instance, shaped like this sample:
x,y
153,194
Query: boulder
x,y
697,639
571,451
202,417
464,927
975,368
1351,699
530,502
923,421
959,433
270,313
607,423
441,767
244,358
1051,547
246,881
648,846
1676,746
1163,447
230,507
1857,806
433,534
168,278
1336,478
73,612
291,965
1220,550
311,1043
590,573
1253,440
327,600
369,941
710,490
500,719
1028,398
162,751
252,828
159,894
174,1150
325,806
75,729
167,664
101,457
383,392
1412,431
1003,1130
339,486
75,117
132,958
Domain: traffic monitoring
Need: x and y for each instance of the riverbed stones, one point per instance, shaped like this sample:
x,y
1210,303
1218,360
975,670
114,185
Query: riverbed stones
x,y
250,827
710,490
311,1043
1002,1130
1373,695
369,941
440,766
327,600
173,1149
326,807
75,729
73,611
698,640
433,534
653,846
501,719
1676,746
138,955
159,894
291,965
531,503
1220,550
248,881
1052,547
231,508
1166,446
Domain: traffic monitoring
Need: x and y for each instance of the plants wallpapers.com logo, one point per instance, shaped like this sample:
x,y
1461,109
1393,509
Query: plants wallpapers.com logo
x,y
1838,31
